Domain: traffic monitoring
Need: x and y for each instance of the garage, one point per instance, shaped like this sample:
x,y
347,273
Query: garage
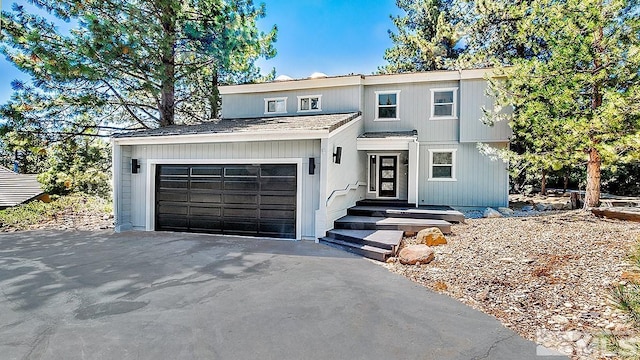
x,y
234,199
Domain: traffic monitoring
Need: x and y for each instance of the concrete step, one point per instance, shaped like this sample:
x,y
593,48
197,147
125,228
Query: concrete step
x,y
363,250
390,203
390,223
383,239
445,213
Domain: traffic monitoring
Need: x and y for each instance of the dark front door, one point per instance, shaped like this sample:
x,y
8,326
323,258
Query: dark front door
x,y
255,200
388,177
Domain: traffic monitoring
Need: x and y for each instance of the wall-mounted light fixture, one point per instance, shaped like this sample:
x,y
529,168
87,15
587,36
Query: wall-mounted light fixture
x,y
134,166
337,156
312,166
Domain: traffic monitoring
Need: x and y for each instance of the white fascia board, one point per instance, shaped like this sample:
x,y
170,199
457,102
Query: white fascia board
x,y
399,143
292,85
431,76
224,137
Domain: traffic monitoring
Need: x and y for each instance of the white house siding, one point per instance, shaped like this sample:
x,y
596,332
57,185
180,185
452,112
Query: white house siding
x,y
480,181
473,97
343,99
122,187
414,111
135,202
346,182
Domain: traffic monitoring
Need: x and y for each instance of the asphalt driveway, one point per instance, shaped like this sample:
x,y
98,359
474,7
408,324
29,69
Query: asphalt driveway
x,y
139,295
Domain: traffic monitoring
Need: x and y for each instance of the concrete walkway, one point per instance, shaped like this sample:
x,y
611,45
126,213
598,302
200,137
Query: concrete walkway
x,y
99,295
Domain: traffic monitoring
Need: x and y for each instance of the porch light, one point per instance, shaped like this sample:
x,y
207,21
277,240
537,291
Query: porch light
x,y
337,156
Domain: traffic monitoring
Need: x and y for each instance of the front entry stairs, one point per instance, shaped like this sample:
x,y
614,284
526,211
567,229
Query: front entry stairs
x,y
374,229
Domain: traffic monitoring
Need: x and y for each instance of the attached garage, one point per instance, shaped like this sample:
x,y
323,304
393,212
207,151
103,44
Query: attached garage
x,y
235,199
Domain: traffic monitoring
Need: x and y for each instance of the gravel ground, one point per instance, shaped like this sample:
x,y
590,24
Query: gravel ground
x,y
547,276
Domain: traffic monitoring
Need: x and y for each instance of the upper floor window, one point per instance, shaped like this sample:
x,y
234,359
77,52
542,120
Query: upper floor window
x,y
442,165
309,103
387,105
275,105
444,103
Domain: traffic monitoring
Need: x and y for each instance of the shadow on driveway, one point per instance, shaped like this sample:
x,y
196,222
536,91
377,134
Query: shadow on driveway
x,y
146,295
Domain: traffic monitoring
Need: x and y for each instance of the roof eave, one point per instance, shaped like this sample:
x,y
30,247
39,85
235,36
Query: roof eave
x,y
224,137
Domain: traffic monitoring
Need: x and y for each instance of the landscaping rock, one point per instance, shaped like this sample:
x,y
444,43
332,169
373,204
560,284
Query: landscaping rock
x,y
543,207
431,237
505,211
527,208
413,254
491,213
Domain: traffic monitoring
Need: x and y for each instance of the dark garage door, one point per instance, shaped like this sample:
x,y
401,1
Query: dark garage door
x,y
256,200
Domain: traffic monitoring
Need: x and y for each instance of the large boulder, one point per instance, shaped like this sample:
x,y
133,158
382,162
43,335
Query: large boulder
x,y
505,211
431,237
491,213
413,254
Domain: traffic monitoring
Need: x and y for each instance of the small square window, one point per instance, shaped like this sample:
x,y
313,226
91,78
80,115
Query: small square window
x,y
442,165
387,105
309,103
275,106
443,103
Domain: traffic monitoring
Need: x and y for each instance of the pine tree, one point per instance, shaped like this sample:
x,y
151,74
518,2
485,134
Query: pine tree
x,y
426,38
580,97
128,63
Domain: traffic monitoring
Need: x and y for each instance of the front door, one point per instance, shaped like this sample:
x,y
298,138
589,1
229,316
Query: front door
x,y
388,177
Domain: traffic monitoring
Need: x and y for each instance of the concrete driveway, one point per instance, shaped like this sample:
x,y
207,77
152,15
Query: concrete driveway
x,y
138,295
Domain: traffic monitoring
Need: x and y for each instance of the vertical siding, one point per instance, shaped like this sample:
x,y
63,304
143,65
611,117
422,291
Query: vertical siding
x,y
346,181
124,216
334,100
414,111
302,149
473,98
480,181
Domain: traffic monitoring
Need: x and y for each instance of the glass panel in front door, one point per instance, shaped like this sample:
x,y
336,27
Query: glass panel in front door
x,y
388,176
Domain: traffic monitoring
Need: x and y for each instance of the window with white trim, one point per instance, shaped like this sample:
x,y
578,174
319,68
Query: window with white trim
x,y
442,165
309,103
387,105
275,105
444,103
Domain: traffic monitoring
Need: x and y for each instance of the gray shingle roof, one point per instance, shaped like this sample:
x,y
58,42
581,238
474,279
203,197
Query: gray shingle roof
x,y
327,122
388,134
17,188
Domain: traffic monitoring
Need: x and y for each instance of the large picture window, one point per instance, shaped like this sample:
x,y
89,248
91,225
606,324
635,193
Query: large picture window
x,y
442,165
387,105
444,103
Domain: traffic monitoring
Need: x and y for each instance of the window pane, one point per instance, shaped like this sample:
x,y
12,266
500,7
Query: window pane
x,y
387,99
442,171
271,106
304,104
280,106
440,97
372,173
387,162
440,158
386,186
315,103
387,113
443,110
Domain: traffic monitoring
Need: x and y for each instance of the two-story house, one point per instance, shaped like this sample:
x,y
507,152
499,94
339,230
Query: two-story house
x,y
288,158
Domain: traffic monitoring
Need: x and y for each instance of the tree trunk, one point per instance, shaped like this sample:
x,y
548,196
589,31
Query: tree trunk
x,y
543,185
565,183
592,194
167,48
215,96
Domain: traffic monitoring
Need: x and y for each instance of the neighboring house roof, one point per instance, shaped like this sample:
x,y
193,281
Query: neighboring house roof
x,y
17,188
280,125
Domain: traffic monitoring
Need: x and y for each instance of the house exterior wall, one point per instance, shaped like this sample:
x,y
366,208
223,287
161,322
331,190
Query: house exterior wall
x,y
414,111
346,182
473,97
334,100
479,180
135,201
122,186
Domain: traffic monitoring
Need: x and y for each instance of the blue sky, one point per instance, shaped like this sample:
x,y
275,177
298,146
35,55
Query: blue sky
x,y
330,36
